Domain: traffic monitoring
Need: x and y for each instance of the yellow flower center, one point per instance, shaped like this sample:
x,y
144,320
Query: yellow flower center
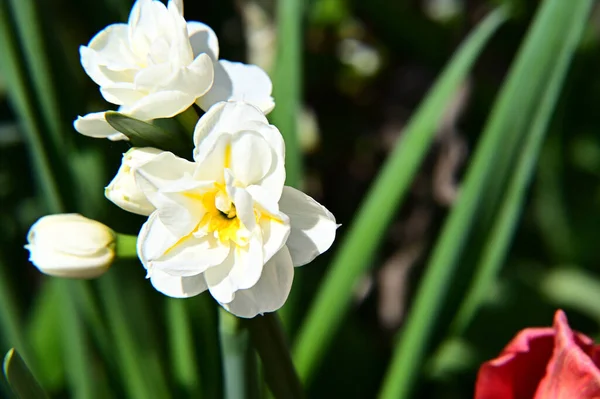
x,y
221,217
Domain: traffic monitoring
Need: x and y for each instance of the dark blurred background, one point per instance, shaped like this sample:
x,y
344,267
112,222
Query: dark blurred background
x,y
367,65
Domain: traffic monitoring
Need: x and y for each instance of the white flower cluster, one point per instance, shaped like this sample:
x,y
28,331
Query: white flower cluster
x,y
222,221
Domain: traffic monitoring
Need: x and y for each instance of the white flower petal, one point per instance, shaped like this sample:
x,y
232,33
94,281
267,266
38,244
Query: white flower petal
x,y
168,184
275,233
269,293
223,118
121,93
264,201
251,157
217,278
203,39
235,81
192,255
312,226
70,245
152,76
244,206
123,190
195,79
162,104
108,47
154,240
211,161
248,265
274,178
95,125
241,270
178,287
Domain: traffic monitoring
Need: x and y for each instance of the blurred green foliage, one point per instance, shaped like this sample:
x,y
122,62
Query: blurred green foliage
x,y
365,68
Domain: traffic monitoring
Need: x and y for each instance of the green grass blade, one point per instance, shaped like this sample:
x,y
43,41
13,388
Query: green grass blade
x,y
387,192
21,97
75,346
29,27
287,82
44,335
10,324
181,344
137,373
507,124
20,378
508,216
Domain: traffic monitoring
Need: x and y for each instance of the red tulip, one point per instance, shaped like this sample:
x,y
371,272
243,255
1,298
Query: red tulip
x,y
543,363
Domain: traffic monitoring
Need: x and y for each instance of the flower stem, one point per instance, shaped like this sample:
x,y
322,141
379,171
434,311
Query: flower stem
x,y
270,342
126,246
238,373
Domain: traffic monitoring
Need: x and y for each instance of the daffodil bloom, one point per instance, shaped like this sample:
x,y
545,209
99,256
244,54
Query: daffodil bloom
x,y
123,190
70,245
225,222
157,65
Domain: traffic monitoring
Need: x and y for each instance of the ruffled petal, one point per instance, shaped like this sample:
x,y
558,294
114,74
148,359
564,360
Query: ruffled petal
x,y
235,81
203,39
95,125
251,157
192,255
162,104
167,182
269,293
312,226
176,286
223,118
241,270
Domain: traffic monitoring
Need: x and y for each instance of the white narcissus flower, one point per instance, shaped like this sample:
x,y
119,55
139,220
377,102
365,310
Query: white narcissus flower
x,y
123,190
226,222
157,65
70,245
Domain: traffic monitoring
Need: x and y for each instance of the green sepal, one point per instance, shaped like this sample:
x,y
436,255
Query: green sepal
x,y
144,134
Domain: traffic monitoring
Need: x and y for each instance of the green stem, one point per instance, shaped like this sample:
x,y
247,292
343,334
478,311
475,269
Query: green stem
x,y
126,246
269,340
234,348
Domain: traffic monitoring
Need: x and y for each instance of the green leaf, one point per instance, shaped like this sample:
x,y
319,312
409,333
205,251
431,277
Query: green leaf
x,y
143,134
31,37
20,378
506,221
22,98
376,212
505,130
75,345
44,335
137,356
181,345
287,83
10,323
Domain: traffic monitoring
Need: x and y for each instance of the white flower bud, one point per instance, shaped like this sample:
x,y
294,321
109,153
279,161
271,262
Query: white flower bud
x,y
123,190
70,245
